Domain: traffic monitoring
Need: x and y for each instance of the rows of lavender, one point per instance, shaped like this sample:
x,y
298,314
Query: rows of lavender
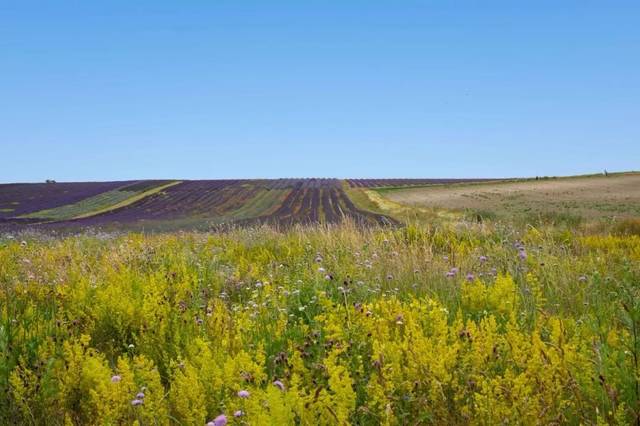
x,y
17,199
378,183
298,201
314,205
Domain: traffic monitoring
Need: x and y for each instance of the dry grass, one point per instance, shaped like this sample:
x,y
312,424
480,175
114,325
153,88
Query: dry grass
x,y
587,197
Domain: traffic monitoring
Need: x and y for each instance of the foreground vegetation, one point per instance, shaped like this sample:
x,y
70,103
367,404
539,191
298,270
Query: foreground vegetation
x,y
460,323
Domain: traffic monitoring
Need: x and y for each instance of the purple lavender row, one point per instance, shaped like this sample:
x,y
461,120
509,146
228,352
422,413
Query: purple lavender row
x,y
17,199
193,199
373,183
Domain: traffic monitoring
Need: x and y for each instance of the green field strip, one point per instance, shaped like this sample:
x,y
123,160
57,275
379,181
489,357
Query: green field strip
x,y
130,200
322,217
363,200
238,197
264,203
97,204
68,211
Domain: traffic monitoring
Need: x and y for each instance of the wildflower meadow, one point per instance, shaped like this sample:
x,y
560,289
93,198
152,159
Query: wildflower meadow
x,y
469,323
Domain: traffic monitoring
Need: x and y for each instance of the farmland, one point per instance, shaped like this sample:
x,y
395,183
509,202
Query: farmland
x,y
297,314
24,198
588,197
316,202
386,183
104,201
202,204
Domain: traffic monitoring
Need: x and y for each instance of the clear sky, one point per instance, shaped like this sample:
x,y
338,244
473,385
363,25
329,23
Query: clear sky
x,y
116,90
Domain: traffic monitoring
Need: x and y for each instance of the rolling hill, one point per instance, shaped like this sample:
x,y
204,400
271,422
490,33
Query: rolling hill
x,y
207,204
174,204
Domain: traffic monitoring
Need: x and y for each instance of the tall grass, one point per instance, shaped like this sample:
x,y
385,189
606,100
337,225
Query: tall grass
x,y
478,323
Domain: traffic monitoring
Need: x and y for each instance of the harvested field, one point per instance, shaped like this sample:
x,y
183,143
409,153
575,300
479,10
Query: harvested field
x,y
589,197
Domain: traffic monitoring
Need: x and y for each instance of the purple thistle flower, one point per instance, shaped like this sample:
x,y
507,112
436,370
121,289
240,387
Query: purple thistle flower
x,y
115,379
483,259
452,272
243,394
279,385
221,420
238,413
137,402
470,276
522,255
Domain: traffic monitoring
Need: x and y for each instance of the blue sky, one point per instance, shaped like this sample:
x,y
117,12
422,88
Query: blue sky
x,y
218,89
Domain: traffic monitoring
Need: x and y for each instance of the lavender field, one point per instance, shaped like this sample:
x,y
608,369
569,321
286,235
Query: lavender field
x,y
151,204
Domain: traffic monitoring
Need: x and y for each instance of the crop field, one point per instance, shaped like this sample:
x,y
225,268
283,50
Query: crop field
x,y
300,315
381,183
23,198
92,205
194,204
322,201
610,197
189,198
